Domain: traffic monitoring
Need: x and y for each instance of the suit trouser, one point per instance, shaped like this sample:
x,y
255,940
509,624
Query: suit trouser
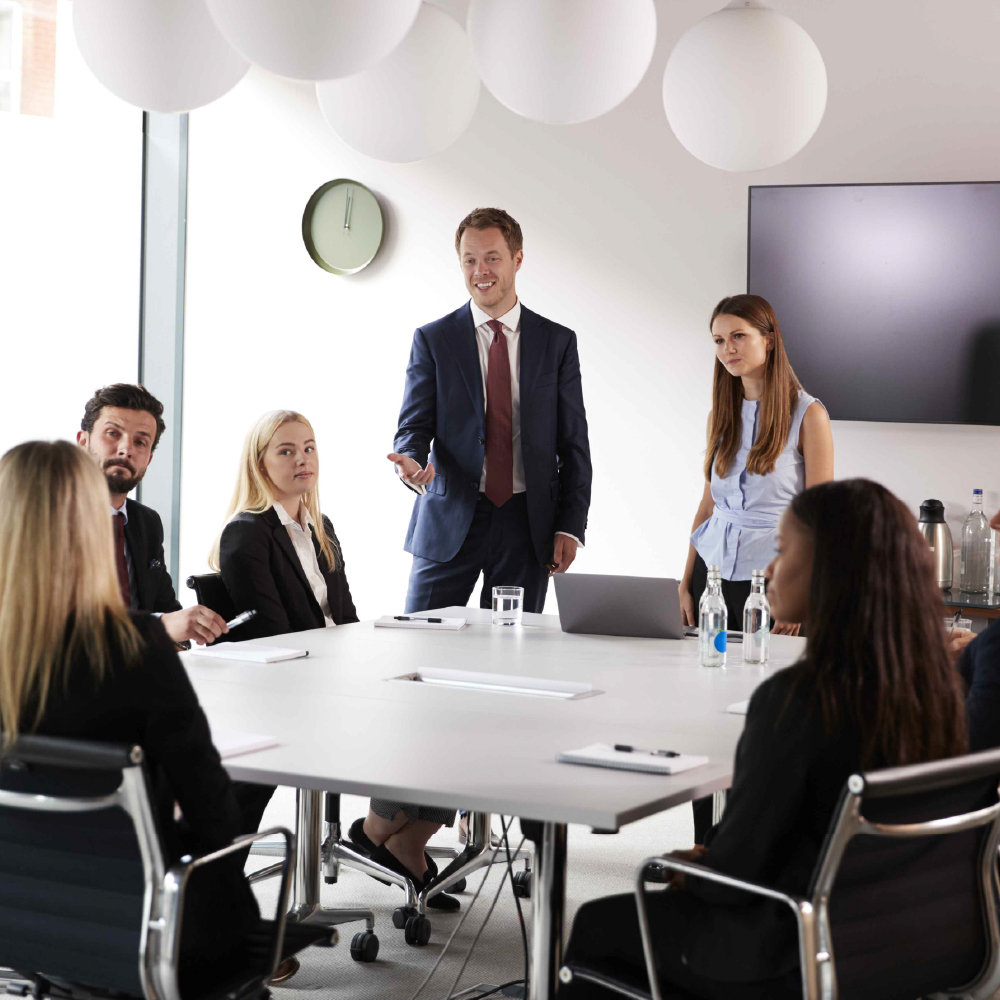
x,y
498,545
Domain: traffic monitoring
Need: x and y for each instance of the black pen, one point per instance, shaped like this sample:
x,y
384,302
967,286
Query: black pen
x,y
409,618
625,748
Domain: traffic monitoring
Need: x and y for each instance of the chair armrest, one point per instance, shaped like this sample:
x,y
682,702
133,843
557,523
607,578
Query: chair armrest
x,y
174,887
802,908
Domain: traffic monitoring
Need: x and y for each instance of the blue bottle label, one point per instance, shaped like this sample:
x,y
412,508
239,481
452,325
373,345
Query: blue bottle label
x,y
720,641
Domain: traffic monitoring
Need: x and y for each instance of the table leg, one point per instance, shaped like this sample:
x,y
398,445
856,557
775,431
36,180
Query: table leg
x,y
308,841
548,897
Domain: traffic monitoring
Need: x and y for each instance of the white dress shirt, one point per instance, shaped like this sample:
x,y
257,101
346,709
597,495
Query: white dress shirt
x,y
302,541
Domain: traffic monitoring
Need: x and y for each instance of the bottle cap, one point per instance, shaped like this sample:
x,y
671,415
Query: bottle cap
x,y
757,574
974,492
715,569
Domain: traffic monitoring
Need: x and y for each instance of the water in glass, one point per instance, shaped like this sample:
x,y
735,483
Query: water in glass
x,y
507,604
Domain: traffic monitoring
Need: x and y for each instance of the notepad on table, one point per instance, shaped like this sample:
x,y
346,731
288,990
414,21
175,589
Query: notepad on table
x,y
603,755
232,742
738,708
444,625
249,652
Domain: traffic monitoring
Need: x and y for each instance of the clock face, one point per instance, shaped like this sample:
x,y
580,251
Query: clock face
x,y
342,226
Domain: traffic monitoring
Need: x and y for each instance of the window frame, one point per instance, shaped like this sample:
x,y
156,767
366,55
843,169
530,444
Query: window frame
x,y
13,7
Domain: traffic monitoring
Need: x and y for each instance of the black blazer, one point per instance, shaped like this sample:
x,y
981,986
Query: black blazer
x,y
787,780
979,666
261,571
144,538
153,704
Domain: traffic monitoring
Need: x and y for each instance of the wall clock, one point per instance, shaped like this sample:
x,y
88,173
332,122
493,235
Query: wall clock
x,y
342,226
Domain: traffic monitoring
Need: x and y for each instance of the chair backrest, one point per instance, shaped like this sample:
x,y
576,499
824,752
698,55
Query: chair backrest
x,y
905,884
212,593
80,863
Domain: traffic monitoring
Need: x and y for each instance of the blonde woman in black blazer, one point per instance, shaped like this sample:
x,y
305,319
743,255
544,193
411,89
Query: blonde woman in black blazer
x,y
278,555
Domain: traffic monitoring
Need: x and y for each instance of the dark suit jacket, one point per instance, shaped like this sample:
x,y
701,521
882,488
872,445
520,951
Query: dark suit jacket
x,y
153,704
262,571
443,404
144,538
979,666
787,780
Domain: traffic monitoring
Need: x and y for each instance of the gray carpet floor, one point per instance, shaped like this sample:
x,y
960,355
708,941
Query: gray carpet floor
x,y
598,865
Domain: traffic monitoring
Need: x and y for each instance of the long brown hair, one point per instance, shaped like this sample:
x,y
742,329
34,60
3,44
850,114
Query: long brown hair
x,y
781,389
59,592
876,649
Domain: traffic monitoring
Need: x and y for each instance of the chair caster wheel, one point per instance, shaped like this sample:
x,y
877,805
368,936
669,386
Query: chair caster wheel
x,y
522,885
401,914
458,886
417,930
364,946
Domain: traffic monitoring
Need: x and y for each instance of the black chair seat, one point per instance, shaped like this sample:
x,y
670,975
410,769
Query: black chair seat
x,y
621,975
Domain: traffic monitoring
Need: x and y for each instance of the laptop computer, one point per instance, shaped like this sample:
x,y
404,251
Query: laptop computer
x,y
639,606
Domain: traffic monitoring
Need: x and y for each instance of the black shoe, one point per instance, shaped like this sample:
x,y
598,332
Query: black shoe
x,y
360,840
442,901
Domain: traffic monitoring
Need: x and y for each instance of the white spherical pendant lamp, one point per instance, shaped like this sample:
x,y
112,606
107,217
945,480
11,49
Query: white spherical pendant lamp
x,y
314,39
562,61
160,55
745,88
414,103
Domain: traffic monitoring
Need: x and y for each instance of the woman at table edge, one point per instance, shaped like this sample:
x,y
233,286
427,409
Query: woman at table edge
x,y
78,665
768,440
842,548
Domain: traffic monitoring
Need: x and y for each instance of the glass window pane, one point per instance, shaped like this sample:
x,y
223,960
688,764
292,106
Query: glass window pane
x,y
70,197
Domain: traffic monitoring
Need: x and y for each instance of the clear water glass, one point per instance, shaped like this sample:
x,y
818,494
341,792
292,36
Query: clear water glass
x,y
508,603
950,622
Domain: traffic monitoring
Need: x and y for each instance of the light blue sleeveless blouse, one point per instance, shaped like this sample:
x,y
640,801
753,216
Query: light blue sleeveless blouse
x,y
739,537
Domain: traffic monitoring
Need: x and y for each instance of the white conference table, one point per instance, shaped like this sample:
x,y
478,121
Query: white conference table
x,y
346,725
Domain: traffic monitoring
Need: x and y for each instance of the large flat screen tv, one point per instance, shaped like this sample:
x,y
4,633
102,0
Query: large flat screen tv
x,y
888,295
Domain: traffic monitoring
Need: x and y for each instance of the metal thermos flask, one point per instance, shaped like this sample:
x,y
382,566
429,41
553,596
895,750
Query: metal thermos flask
x,y
935,529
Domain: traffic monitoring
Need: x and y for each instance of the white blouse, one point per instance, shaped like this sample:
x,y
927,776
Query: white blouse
x,y
302,541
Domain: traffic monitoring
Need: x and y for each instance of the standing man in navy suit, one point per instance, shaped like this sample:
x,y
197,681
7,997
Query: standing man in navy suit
x,y
492,436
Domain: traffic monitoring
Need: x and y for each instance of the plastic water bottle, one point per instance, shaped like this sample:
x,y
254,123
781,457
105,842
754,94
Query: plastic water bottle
x,y
756,621
977,549
712,622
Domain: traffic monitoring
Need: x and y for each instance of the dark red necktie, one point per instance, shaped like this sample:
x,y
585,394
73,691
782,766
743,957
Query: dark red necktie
x,y
119,522
499,437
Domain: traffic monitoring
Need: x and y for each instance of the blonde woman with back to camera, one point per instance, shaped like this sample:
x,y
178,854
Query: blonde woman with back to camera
x,y
75,663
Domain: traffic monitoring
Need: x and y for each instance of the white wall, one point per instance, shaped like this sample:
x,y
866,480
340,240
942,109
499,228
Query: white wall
x,y
628,239
70,198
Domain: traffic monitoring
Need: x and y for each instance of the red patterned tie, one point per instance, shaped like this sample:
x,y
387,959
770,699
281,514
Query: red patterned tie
x,y
119,522
499,439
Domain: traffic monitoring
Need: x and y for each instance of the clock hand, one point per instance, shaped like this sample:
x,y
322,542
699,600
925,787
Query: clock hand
x,y
348,205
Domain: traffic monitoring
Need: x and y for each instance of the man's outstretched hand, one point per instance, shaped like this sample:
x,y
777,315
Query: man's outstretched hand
x,y
410,471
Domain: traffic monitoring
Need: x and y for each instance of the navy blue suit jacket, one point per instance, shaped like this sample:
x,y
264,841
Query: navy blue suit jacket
x,y
443,417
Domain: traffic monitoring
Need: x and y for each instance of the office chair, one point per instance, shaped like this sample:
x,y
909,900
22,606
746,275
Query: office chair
x,y
903,900
87,908
331,850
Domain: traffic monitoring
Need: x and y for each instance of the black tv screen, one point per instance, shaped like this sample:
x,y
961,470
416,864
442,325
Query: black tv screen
x,y
888,295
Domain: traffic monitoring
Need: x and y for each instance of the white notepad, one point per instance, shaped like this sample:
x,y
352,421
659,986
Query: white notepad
x,y
249,652
232,742
738,708
604,755
445,625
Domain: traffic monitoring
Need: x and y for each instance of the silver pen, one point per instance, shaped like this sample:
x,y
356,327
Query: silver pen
x,y
241,619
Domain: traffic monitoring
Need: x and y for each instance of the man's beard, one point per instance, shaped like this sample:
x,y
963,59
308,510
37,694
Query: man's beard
x,y
121,478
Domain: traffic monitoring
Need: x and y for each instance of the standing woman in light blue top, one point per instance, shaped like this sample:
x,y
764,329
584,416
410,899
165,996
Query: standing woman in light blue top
x,y
768,440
